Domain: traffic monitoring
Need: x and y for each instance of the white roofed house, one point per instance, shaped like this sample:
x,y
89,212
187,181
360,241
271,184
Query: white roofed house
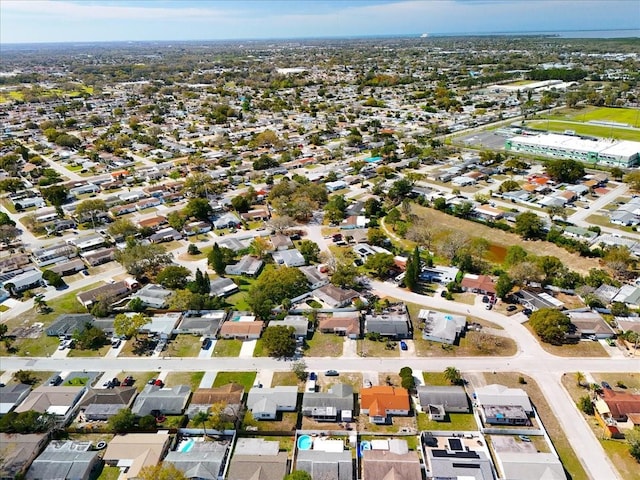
x,y
314,276
265,403
247,265
25,280
289,258
500,405
442,327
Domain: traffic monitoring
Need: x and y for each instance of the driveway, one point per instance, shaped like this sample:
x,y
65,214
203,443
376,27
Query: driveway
x,y
248,346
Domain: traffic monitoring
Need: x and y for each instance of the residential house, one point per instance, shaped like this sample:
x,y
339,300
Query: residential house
x,y
504,415
17,451
621,404
393,322
168,401
11,396
288,258
203,460
68,268
98,257
629,295
528,464
134,451
153,296
536,301
201,322
442,327
62,402
340,323
590,325
248,266
196,228
446,399
265,403
335,297
488,213
67,460
221,287
482,284
281,242
439,274
336,405
394,462
579,233
258,459
326,460
103,403
241,330
109,290
226,220
230,395
299,323
68,323
26,280
459,463
499,405
88,242
382,402
168,234
152,222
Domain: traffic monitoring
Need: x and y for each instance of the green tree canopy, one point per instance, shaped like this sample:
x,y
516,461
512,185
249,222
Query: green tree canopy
x,y
274,285
173,276
122,228
129,325
279,341
198,208
309,250
529,225
379,264
140,260
550,325
565,170
123,421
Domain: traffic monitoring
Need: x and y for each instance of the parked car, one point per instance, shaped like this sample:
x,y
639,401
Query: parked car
x,y
331,373
485,299
128,381
489,306
116,342
403,345
159,383
527,312
367,384
115,382
524,438
151,382
605,385
84,272
511,308
313,376
55,381
206,344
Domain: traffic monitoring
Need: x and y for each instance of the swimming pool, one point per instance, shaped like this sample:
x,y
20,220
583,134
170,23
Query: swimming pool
x,y
186,445
373,159
305,442
448,317
364,445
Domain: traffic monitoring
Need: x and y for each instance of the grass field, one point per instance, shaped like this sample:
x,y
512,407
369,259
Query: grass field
x,y
245,379
454,421
629,116
192,379
324,345
227,348
585,129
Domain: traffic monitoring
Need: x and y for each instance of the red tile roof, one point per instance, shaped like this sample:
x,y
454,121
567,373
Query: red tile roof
x,y
379,399
621,403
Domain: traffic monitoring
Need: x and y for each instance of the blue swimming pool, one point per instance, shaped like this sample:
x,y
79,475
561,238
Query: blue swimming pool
x,y
373,159
364,445
186,445
305,442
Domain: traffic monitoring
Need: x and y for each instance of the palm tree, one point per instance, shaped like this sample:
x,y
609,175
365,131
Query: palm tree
x,y
580,378
453,375
201,418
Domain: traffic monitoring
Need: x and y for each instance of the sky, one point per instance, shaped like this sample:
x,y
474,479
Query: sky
x,y
26,21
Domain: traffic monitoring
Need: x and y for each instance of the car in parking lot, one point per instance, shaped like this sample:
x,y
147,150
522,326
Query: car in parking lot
x,y
605,385
403,345
511,308
331,373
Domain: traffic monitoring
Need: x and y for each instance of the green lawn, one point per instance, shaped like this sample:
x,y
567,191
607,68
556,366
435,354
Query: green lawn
x,y
435,378
184,346
227,348
260,351
285,422
585,129
454,421
76,382
288,379
629,116
109,473
370,348
100,352
245,379
324,345
192,379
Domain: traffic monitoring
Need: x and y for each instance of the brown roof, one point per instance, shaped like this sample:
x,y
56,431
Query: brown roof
x,y
263,467
379,399
241,328
108,290
153,221
621,403
348,324
42,398
143,449
483,282
109,396
230,393
386,465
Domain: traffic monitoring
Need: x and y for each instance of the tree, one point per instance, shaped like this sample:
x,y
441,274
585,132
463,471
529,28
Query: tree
x,y
259,247
618,259
8,234
515,255
380,263
24,376
298,475
56,195
309,250
90,338
201,285
452,374
241,203
52,278
216,260
198,208
503,286
122,228
407,379
586,405
136,305
412,273
550,325
129,325
580,378
140,260
123,421
281,223
565,170
279,341
529,225
336,208
633,179
88,209
274,285
617,173
299,368
344,275
375,236
163,471
633,439
201,418
11,185
173,276
177,220
400,189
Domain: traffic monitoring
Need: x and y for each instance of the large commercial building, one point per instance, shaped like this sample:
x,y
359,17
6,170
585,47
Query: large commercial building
x,y
619,153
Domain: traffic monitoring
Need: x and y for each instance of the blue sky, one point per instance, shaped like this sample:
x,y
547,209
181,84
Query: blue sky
x,y
109,20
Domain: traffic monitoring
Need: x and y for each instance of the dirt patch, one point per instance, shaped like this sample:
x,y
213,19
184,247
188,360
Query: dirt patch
x,y
504,239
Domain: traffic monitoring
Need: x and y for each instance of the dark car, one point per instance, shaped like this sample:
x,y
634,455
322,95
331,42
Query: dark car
x,y
485,299
128,381
55,381
527,312
115,382
511,308
331,373
403,345
206,344
605,385
313,376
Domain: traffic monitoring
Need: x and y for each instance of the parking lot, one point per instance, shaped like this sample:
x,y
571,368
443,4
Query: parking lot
x,y
487,139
